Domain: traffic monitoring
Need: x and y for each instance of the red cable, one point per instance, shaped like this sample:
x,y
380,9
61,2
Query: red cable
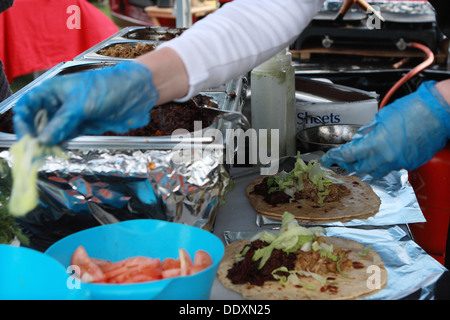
x,y
412,73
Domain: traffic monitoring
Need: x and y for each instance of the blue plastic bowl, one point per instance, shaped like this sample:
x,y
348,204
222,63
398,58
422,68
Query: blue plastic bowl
x,y
151,238
27,274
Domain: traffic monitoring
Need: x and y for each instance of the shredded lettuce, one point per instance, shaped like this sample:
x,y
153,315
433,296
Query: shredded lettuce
x,y
326,250
243,253
338,266
322,195
316,276
290,238
264,236
306,247
28,155
291,182
365,251
293,277
281,278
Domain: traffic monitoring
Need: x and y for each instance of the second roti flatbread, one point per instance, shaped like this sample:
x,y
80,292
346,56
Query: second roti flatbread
x,y
356,286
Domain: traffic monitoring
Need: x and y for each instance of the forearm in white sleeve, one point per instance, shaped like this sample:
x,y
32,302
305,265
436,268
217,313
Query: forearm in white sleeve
x,y
239,36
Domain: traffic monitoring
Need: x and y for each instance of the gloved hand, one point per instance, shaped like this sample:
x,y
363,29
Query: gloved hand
x,y
403,135
115,98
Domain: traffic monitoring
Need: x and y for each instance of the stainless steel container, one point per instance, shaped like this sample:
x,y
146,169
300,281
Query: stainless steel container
x,y
228,97
132,37
325,137
118,50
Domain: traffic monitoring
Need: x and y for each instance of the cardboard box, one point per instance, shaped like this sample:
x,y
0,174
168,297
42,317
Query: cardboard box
x,y
322,102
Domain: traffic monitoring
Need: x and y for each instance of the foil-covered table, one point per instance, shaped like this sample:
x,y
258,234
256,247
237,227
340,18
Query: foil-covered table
x,y
412,273
410,269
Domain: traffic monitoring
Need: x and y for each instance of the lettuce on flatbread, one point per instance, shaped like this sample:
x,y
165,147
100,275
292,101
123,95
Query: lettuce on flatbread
x,y
320,268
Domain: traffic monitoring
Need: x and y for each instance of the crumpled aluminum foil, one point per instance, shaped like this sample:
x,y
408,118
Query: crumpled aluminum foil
x,y
410,269
104,186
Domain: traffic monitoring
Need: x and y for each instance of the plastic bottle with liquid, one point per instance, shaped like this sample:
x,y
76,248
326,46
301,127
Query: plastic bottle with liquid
x,y
291,148
273,101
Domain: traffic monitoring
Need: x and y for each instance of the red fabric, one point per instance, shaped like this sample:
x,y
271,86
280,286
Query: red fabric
x,y
34,34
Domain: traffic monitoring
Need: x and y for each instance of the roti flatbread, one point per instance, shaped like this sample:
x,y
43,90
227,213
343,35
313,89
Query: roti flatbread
x,y
366,277
361,203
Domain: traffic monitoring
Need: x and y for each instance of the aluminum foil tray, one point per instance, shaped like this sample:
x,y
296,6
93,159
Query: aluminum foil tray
x,y
102,186
108,179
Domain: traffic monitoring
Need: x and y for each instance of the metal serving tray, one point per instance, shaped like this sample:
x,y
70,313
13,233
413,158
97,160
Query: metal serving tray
x,y
149,33
94,52
146,33
130,36
229,97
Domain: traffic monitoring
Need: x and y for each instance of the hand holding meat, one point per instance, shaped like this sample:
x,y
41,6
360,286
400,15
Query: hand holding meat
x,y
404,135
115,99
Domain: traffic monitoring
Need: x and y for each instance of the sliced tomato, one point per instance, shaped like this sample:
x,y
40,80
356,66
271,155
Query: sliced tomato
x,y
152,269
137,261
185,262
90,271
138,269
195,269
109,267
202,258
170,263
141,278
100,262
119,278
170,273
115,272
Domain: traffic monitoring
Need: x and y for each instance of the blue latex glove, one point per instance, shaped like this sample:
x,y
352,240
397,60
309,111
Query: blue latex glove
x,y
403,135
115,98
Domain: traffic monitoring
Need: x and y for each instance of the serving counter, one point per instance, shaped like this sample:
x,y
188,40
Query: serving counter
x,y
412,273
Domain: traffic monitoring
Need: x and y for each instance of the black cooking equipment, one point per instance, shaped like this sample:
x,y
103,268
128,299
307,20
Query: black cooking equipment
x,y
365,34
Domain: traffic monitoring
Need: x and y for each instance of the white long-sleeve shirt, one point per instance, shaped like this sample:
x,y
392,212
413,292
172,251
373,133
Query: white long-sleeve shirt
x,y
239,36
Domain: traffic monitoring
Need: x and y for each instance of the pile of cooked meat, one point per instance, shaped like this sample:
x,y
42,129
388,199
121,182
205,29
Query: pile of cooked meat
x,y
245,270
126,50
164,119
